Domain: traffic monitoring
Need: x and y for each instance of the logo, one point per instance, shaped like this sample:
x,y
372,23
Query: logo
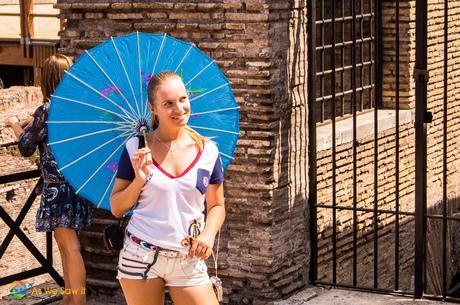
x,y
112,167
109,91
18,289
146,78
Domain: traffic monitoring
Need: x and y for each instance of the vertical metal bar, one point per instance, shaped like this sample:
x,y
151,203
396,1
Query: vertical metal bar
x,y
378,47
376,171
371,53
353,84
361,70
322,77
334,187
342,53
421,79
312,138
444,149
397,151
378,52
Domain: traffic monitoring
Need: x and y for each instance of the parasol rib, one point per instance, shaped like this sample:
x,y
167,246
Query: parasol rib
x,y
159,53
89,122
198,74
113,83
210,91
215,129
127,77
183,58
225,155
89,134
95,149
106,97
107,189
141,96
99,168
214,111
125,118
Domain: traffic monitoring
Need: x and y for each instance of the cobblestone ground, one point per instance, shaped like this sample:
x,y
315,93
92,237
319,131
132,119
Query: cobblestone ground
x,y
324,296
308,296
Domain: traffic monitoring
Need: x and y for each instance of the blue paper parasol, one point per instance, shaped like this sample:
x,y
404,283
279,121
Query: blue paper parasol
x,y
102,102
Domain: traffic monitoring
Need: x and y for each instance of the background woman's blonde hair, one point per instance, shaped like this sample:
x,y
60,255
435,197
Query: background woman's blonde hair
x,y
155,82
52,73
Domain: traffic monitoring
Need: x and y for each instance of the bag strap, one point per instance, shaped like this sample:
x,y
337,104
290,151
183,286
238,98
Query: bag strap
x,y
216,257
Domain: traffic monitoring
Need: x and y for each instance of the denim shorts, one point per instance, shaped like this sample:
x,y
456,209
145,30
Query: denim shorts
x,y
138,263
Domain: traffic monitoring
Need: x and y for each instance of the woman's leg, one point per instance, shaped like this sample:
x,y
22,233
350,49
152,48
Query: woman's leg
x,y
76,278
65,297
143,292
196,295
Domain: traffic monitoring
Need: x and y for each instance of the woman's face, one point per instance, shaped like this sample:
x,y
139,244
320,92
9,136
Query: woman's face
x,y
171,104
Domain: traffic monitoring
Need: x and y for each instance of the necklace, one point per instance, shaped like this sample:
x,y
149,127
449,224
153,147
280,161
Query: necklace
x,y
169,147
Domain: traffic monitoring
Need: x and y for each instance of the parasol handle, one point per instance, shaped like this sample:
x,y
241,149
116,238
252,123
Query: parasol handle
x,y
143,129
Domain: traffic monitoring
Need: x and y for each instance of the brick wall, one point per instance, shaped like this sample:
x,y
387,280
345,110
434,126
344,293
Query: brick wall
x,y
435,129
365,199
406,54
20,101
290,240
266,184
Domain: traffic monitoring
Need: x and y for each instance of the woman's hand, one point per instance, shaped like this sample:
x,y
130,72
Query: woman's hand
x,y
11,121
142,161
201,246
26,122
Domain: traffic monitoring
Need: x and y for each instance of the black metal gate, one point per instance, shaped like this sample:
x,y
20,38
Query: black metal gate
x,y
373,225
46,262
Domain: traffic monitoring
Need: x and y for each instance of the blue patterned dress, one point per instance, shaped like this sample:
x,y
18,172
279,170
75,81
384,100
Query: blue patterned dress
x,y
60,206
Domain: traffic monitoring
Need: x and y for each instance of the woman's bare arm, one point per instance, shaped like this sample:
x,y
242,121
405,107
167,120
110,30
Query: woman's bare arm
x,y
124,196
125,193
215,217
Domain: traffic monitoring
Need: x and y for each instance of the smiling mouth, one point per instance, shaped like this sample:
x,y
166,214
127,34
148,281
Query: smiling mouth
x,y
178,116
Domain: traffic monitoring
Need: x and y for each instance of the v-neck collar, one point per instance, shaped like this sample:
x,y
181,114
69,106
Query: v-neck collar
x,y
157,165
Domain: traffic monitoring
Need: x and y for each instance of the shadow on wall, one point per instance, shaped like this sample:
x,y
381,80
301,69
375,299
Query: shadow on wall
x,y
434,235
387,275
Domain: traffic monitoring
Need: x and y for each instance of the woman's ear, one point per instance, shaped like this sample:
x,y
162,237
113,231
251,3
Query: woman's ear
x,y
150,106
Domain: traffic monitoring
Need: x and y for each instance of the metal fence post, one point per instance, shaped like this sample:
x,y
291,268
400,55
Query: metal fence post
x,y
311,54
421,119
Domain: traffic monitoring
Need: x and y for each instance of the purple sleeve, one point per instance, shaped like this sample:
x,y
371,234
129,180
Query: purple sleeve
x,y
34,134
125,168
217,176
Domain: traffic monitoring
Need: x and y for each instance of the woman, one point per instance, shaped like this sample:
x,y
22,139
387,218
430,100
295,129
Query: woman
x,y
167,239
61,210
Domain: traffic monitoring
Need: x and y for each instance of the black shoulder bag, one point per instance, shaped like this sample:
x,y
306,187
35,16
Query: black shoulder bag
x,y
114,234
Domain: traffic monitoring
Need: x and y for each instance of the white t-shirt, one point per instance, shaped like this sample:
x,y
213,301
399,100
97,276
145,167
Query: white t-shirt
x,y
168,204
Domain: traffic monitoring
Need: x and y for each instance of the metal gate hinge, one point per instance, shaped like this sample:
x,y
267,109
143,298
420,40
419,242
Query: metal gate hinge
x,y
428,118
421,75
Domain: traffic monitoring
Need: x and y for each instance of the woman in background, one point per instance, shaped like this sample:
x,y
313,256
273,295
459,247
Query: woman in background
x,y
61,210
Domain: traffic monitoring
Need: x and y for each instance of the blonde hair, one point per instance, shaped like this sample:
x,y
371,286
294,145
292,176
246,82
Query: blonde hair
x,y
155,82
52,73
